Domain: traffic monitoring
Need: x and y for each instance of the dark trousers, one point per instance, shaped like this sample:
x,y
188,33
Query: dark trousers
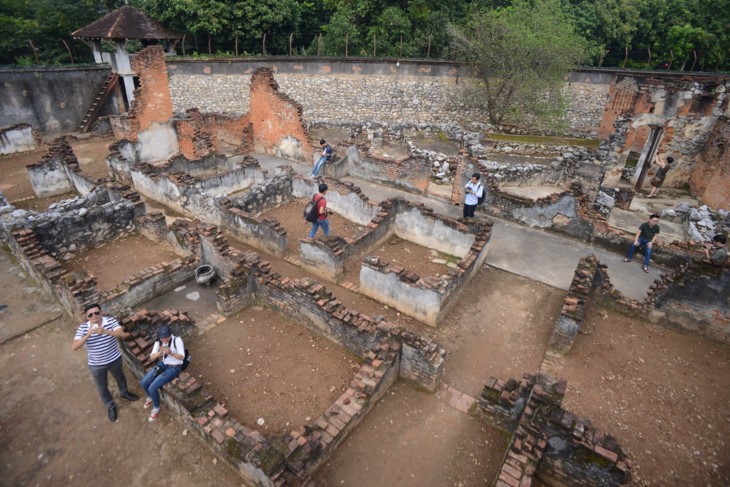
x,y
99,373
469,210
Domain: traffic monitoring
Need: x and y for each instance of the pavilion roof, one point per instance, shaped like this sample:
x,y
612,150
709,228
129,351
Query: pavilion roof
x,y
126,23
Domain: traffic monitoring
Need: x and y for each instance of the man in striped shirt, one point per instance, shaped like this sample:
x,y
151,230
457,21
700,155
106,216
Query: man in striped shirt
x,y
100,335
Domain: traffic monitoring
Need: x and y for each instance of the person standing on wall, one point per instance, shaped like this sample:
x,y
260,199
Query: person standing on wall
x,y
645,237
661,173
324,157
171,352
474,194
100,335
322,212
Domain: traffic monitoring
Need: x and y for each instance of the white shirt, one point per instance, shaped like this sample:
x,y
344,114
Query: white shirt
x,y
176,346
473,197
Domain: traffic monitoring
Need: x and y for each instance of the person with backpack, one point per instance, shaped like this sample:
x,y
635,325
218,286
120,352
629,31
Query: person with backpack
x,y
474,195
170,350
316,212
324,157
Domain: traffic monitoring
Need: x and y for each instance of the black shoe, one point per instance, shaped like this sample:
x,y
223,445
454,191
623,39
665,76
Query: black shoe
x,y
130,396
112,413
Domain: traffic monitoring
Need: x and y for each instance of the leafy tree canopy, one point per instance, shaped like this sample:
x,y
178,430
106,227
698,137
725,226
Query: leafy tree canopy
x,y
520,53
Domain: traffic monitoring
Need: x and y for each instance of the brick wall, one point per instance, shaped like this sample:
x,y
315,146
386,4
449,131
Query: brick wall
x,y
152,101
275,116
710,179
202,134
549,442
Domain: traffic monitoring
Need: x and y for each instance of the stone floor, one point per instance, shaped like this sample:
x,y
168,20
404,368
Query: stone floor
x,y
630,221
532,192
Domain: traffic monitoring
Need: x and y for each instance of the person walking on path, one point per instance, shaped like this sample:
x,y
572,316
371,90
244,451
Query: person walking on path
x,y
661,173
474,191
645,237
324,157
322,213
171,352
100,335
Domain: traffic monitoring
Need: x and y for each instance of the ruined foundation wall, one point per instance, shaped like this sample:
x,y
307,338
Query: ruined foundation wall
x,y
18,138
710,179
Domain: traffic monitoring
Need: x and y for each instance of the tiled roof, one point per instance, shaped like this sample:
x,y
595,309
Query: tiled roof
x,y
126,23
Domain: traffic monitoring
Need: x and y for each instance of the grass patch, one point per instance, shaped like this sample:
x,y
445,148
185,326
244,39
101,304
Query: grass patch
x,y
545,140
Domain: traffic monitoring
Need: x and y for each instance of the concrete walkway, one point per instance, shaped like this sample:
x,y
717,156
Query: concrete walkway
x,y
544,257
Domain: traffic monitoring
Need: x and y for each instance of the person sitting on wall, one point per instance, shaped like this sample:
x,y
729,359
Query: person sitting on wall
x,y
324,157
171,352
474,190
715,253
660,174
645,237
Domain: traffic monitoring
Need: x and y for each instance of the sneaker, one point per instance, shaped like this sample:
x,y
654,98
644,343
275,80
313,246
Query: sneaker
x,y
646,269
625,260
153,415
147,403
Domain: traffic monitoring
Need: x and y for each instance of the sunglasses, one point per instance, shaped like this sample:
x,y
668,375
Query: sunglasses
x,y
93,313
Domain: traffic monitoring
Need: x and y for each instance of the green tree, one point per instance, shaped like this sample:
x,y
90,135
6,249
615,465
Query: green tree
x,y
520,54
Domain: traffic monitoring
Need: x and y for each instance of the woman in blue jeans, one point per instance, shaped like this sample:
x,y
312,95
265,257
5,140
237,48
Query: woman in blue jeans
x,y
171,352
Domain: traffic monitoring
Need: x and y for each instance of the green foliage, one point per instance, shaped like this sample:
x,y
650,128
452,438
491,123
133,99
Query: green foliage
x,y
520,54
671,30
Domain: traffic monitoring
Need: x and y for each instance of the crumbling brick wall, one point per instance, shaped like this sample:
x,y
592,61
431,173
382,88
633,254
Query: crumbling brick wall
x,y
202,134
710,179
152,101
275,116
685,108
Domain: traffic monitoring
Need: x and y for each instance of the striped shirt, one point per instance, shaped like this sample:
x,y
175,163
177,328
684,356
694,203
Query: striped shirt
x,y
101,349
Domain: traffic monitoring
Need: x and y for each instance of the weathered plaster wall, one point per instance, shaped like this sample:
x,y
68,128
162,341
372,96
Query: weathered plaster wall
x,y
18,138
52,99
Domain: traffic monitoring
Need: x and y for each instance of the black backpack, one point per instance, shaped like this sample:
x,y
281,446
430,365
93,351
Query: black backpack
x,y
483,197
310,211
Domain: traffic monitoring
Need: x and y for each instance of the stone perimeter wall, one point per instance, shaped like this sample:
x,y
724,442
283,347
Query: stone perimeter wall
x,y
349,91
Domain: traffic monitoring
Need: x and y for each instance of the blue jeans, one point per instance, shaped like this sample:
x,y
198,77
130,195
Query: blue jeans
x,y
325,224
152,384
647,250
319,165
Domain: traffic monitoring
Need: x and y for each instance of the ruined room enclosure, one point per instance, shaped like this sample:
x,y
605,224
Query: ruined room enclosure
x,y
18,188
248,289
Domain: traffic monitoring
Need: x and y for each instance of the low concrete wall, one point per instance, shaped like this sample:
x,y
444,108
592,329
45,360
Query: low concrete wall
x,y
18,138
411,224
412,173
49,178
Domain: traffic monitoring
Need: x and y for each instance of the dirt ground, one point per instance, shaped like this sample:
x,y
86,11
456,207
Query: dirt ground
x,y
53,426
262,365
23,305
91,153
290,217
410,438
112,262
662,393
15,184
500,326
414,257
